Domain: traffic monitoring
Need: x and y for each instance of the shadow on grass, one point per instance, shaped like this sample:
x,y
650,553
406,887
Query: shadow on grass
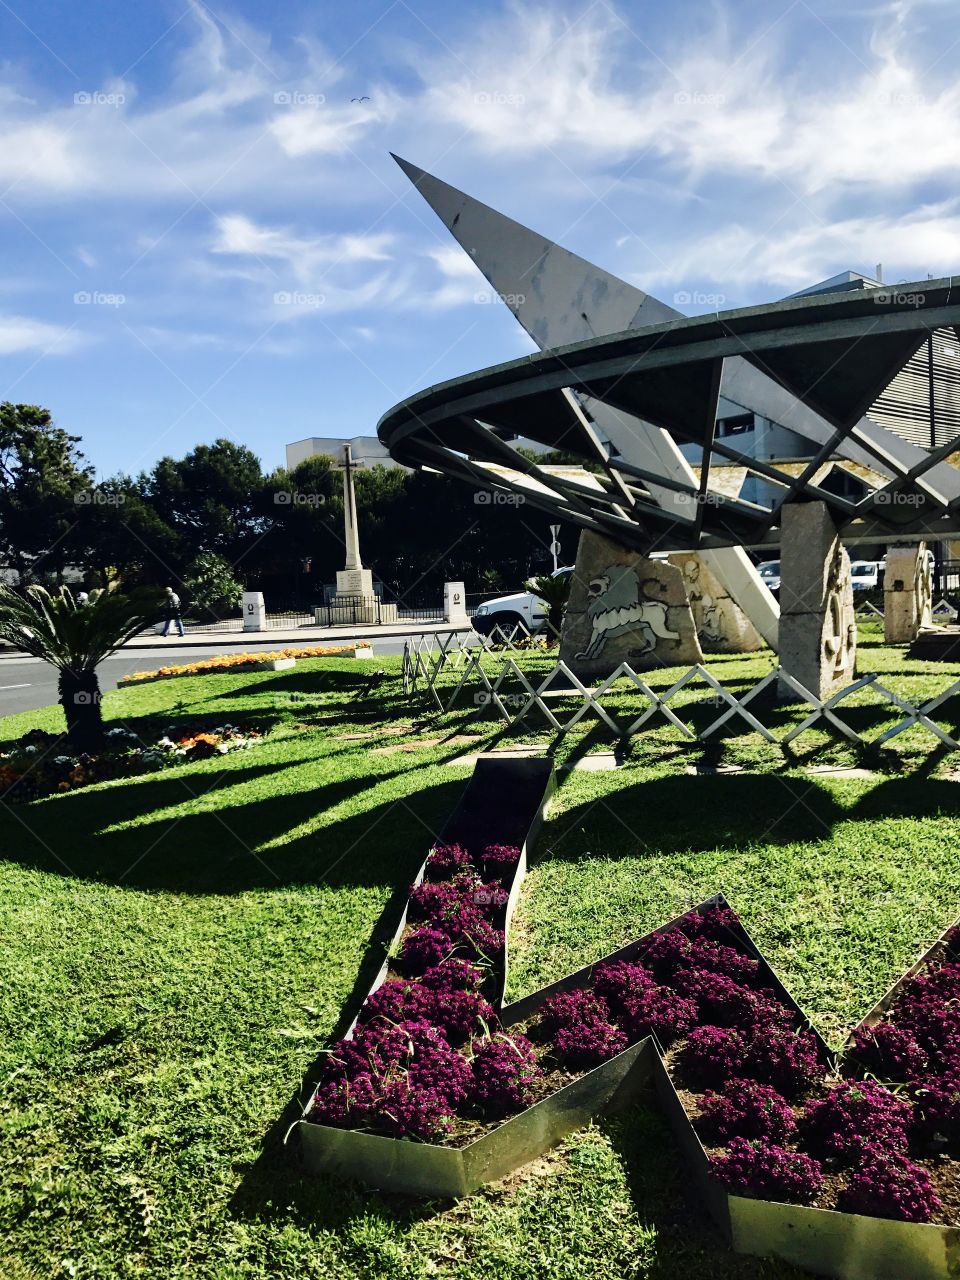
x,y
219,851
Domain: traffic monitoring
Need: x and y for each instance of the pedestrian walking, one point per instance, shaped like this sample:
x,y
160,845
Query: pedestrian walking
x,y
173,612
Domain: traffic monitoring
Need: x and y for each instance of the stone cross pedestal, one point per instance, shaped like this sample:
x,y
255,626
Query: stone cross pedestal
x,y
624,607
254,611
818,630
722,626
907,593
354,600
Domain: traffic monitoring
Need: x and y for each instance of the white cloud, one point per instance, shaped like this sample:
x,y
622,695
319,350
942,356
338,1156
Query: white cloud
x,y
921,243
19,333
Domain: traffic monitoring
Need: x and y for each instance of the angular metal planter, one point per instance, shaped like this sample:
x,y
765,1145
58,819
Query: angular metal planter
x,y
826,1242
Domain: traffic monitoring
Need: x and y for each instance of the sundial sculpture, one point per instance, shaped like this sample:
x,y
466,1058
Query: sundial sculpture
x,y
623,381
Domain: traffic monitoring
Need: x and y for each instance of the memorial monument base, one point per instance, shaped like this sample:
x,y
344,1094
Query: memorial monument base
x,y
818,629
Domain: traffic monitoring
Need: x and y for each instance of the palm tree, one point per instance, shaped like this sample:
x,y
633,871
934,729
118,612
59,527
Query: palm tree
x,y
554,591
74,637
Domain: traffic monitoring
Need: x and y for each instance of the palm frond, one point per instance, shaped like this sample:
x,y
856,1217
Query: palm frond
x,y
53,627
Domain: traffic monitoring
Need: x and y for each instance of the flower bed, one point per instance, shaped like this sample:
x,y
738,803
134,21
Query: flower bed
x,y
232,661
41,764
797,1154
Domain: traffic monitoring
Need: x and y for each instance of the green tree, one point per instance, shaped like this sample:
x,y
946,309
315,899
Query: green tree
x,y
554,592
211,586
75,638
212,497
44,484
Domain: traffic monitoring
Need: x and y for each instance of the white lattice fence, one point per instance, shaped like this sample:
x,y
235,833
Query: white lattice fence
x,y
543,694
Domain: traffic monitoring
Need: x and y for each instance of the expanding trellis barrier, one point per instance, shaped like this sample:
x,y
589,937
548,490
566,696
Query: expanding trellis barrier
x,y
544,693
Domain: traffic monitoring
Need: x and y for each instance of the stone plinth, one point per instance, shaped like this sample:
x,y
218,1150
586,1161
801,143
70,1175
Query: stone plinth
x,y
455,604
818,630
624,607
354,582
907,593
722,626
254,611
354,610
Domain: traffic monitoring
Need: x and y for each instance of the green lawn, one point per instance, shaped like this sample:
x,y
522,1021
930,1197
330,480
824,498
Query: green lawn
x,y
177,949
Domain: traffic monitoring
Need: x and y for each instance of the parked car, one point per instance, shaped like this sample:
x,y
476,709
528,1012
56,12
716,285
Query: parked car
x,y
769,571
522,608
866,575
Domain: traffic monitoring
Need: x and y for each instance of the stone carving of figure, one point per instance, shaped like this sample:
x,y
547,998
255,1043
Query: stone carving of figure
x,y
617,606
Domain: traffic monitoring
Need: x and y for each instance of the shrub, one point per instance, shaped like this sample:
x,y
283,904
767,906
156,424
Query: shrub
x,y
659,1010
618,981
446,860
713,1054
854,1115
504,1070
460,1014
951,943
396,999
887,1185
923,1011
721,924
410,1112
486,942
938,1105
764,1171
569,1007
888,1052
500,861
422,950
706,954
788,1060
663,952
585,1044
453,975
724,1002
431,901
347,1103
746,1109
210,585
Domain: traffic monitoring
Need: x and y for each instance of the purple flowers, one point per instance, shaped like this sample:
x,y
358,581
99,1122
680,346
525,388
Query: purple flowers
x,y
713,1054
424,949
504,1071
446,860
746,1109
888,1185
500,861
854,1115
659,1010
938,1104
402,1079
788,1060
567,1008
620,981
583,1045
763,1170
888,1052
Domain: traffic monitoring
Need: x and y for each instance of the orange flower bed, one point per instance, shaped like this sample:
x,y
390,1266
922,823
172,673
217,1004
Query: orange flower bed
x,y
229,661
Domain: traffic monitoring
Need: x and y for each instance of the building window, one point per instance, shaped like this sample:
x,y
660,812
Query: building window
x,y
735,426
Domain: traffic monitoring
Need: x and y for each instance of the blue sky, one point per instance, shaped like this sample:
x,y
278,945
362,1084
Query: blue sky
x,y
171,172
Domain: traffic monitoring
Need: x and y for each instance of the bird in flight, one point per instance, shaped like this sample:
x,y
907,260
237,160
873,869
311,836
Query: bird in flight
x,y
363,99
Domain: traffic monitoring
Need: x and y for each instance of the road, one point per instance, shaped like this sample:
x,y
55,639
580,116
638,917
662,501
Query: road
x,y
26,683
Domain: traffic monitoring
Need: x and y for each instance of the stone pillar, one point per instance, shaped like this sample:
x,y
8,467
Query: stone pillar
x,y
907,593
624,607
722,626
254,611
455,604
818,630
